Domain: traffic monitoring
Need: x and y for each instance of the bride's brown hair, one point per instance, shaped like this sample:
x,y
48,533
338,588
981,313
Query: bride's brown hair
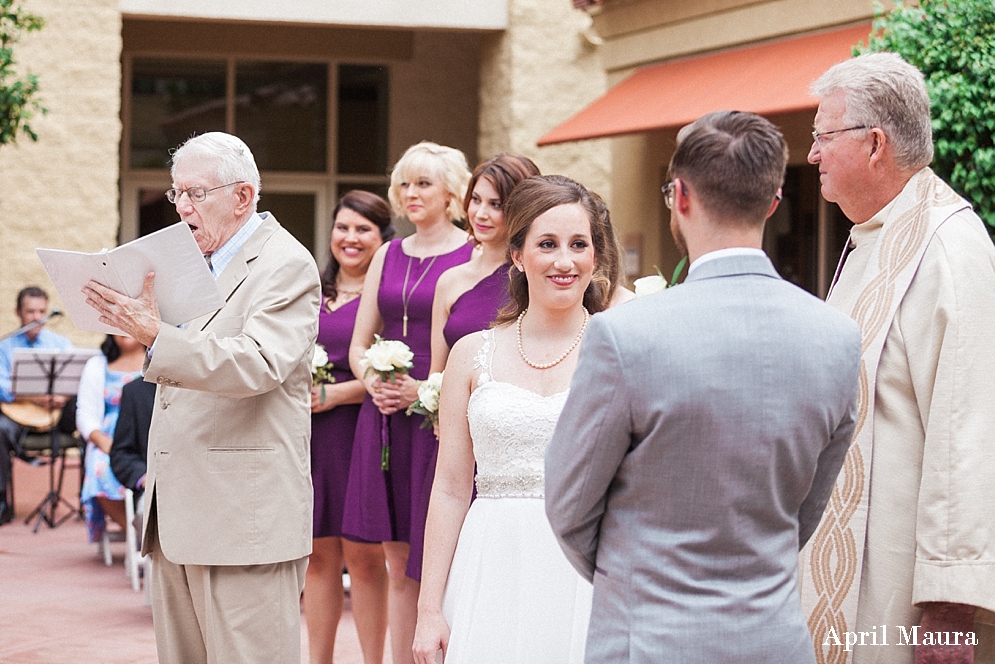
x,y
537,195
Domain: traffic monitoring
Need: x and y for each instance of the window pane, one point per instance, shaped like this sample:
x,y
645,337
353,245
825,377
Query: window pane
x,y
154,211
378,188
281,111
362,112
295,212
791,235
170,101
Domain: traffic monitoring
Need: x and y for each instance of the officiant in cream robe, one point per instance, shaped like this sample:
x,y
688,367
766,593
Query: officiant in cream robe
x,y
908,538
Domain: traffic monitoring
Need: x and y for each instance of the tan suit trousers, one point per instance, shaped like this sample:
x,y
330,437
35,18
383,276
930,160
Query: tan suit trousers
x,y
215,614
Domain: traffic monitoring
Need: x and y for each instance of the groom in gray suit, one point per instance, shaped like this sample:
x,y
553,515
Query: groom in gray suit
x,y
705,427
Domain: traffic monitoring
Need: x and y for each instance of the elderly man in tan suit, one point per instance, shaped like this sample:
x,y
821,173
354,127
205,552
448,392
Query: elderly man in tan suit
x,y
228,493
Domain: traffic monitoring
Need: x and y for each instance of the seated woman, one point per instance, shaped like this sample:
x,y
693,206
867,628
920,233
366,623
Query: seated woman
x,y
97,406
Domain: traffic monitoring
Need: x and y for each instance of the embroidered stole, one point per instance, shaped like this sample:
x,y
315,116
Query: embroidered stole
x,y
832,561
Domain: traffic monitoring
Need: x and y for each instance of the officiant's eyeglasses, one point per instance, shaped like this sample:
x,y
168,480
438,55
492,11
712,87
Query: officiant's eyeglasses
x,y
817,136
196,194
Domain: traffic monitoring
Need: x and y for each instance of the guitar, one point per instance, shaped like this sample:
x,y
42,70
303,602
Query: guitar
x,y
37,418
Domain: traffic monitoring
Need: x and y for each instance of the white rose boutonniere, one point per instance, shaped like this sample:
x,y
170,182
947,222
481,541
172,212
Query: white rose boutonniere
x,y
428,400
649,285
657,282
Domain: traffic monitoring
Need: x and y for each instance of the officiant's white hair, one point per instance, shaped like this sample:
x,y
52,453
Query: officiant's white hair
x,y
233,158
883,90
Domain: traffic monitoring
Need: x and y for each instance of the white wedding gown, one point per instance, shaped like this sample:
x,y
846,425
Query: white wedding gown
x,y
511,596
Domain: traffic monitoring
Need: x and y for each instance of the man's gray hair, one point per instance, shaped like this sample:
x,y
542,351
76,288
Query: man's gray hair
x,y
883,90
233,158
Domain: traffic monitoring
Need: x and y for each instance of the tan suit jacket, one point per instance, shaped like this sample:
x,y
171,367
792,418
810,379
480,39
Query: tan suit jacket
x,y
229,468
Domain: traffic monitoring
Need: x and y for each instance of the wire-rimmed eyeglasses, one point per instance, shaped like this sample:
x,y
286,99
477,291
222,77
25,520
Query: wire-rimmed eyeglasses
x,y
817,136
195,194
668,193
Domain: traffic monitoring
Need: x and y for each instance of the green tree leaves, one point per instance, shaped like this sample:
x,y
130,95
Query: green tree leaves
x,y
18,94
953,43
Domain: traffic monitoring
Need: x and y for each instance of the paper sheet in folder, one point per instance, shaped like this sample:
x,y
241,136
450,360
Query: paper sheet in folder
x,y
184,285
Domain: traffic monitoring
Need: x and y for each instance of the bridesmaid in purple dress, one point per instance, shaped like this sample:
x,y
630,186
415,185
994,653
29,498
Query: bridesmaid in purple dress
x,y
468,297
426,186
360,225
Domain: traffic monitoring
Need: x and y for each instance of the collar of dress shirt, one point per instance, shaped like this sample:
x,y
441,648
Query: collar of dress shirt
x,y
227,251
723,253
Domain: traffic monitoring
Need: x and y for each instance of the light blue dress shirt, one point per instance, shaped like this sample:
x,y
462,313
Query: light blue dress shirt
x,y
46,339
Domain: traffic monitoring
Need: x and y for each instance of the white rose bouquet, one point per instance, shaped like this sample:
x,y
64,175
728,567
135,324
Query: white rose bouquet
x,y
657,282
428,400
321,368
386,358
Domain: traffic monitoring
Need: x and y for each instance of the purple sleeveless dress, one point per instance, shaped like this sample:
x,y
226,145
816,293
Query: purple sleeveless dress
x,y
392,506
476,309
332,431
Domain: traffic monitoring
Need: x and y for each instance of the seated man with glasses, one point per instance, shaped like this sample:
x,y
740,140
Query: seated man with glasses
x,y
228,486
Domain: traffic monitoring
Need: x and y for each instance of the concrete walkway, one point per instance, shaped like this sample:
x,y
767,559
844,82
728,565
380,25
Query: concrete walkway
x,y
59,603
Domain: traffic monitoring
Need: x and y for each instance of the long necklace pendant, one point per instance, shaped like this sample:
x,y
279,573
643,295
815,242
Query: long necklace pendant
x,y
404,327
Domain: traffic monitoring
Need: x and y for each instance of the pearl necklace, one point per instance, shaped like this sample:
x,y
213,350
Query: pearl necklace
x,y
548,365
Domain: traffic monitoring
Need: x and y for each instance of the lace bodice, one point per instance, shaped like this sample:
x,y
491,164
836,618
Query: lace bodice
x,y
510,427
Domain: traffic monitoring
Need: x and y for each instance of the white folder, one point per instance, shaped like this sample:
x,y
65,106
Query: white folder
x,y
184,285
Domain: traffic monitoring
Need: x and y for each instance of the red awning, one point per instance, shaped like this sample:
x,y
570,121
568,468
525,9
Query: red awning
x,y
767,78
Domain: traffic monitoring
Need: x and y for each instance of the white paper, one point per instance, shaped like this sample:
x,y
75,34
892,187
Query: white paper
x,y
184,285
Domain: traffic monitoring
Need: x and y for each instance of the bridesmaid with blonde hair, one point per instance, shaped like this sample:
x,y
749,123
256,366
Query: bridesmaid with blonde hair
x,y
387,502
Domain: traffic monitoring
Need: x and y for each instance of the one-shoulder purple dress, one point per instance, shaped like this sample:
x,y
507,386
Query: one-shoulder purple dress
x,y
333,431
476,309
391,506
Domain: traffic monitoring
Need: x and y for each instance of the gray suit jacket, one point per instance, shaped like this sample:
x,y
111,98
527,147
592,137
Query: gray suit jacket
x,y
229,478
703,434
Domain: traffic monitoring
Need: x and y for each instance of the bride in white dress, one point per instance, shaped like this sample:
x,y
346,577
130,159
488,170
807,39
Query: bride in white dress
x,y
496,587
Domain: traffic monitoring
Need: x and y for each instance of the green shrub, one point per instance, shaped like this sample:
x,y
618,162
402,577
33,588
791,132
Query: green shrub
x,y
18,94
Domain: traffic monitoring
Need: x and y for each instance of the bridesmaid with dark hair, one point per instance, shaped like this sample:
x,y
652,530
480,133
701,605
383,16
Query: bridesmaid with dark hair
x,y
360,225
469,296
388,503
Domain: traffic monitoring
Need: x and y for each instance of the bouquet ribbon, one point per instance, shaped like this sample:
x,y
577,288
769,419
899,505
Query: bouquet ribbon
x,y
384,444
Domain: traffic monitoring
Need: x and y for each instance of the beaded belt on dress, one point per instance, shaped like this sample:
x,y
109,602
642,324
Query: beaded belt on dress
x,y
511,486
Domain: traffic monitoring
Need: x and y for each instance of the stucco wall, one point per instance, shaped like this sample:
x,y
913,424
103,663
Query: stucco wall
x,y
644,31
536,75
461,14
63,190
433,94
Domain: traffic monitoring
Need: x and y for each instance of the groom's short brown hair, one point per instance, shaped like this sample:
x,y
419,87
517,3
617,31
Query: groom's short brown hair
x,y
734,161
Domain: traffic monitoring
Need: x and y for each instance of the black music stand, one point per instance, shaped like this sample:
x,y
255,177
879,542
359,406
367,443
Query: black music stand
x,y
37,372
